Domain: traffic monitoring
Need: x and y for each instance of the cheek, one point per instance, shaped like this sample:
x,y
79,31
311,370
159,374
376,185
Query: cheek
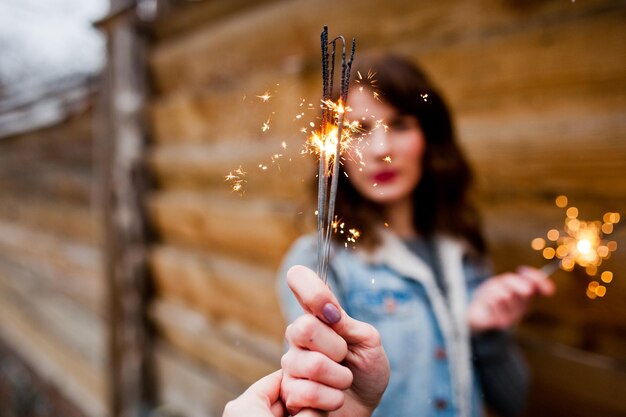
x,y
353,169
413,149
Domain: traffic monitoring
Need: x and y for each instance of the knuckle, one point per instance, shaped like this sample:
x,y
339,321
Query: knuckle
x,y
374,335
311,395
315,367
348,379
285,362
289,332
307,326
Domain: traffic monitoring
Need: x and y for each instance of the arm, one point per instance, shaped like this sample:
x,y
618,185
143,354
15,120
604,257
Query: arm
x,y
334,363
502,372
498,304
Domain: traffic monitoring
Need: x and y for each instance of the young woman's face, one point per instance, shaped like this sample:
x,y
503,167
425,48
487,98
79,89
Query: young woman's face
x,y
391,149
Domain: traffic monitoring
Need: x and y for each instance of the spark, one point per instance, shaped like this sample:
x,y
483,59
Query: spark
x,y
236,179
265,97
368,82
387,159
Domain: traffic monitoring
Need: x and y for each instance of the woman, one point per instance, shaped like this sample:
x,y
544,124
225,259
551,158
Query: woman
x,y
420,274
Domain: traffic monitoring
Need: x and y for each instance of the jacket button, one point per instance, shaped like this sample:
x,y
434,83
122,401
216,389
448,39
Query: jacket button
x,y
440,353
441,404
390,305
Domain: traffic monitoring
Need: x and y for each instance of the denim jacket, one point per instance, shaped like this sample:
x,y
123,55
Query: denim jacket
x,y
424,334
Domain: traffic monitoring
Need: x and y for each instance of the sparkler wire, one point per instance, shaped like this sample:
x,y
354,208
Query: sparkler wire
x,y
325,198
551,267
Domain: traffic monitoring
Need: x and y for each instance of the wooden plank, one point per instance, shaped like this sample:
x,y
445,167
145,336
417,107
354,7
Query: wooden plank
x,y
62,265
235,110
225,289
270,170
533,154
573,382
177,19
71,374
78,329
190,389
405,24
501,81
254,229
51,216
227,349
535,65
55,181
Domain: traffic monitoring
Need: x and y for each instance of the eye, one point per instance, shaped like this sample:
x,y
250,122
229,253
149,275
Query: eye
x,y
366,126
401,123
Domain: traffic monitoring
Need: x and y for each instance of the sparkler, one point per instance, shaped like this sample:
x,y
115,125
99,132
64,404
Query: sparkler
x,y
580,243
331,143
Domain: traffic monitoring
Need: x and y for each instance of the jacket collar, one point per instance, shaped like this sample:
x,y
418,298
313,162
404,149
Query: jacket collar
x,y
451,317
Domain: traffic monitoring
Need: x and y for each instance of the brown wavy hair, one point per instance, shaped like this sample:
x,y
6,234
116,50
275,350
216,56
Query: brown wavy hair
x,y
441,199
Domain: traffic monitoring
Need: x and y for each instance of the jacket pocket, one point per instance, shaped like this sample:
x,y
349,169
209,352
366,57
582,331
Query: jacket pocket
x,y
375,305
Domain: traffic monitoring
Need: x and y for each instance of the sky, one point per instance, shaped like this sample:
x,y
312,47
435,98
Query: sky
x,y
44,40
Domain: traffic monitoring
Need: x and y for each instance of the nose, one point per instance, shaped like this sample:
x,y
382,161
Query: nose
x,y
380,144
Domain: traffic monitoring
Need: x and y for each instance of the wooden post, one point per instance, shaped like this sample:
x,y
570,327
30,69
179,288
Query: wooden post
x,y
122,151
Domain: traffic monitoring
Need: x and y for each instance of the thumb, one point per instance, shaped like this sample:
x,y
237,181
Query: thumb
x,y
316,298
267,387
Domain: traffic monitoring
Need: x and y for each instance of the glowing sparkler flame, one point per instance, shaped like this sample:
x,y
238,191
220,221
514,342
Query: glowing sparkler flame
x,y
581,243
584,246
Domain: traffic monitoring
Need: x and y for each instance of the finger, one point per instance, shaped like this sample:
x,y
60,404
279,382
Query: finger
x,y
540,280
316,367
278,409
316,298
302,393
308,332
267,387
312,294
519,285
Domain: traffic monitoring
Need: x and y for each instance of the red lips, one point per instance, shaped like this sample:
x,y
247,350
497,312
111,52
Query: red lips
x,y
385,176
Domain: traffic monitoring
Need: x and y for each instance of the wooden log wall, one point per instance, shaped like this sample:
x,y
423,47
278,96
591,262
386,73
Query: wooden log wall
x,y
51,279
537,88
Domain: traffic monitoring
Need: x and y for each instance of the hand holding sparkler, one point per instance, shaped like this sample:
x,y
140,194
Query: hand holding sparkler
x,y
501,301
338,358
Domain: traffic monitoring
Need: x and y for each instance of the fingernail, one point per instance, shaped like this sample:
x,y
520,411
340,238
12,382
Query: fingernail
x,y
331,313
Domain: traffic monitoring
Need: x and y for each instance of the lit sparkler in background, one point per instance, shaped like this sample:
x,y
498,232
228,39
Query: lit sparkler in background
x,y
580,243
329,144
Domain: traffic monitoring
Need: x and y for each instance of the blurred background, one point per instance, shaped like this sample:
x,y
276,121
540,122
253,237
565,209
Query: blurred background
x,y
135,281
